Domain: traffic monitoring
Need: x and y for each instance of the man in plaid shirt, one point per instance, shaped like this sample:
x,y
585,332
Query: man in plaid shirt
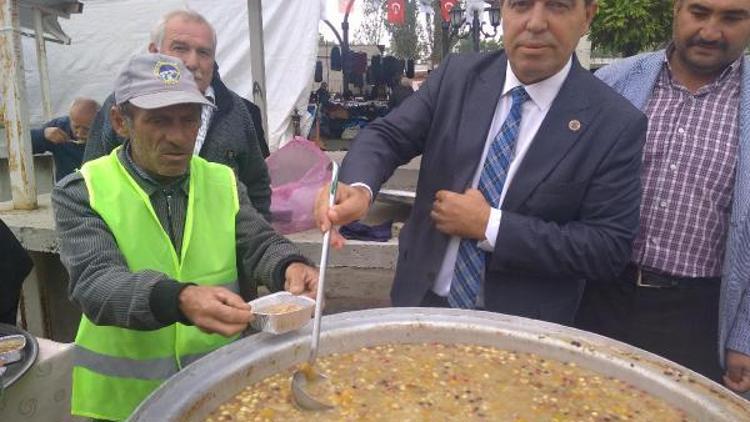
x,y
696,195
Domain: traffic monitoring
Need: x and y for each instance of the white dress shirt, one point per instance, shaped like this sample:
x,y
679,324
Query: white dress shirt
x,y
533,112
206,113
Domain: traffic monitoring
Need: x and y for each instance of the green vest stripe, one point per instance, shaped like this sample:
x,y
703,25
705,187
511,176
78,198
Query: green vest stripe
x,y
115,368
151,369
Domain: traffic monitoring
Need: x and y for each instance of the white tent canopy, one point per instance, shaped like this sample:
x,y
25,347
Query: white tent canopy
x,y
108,31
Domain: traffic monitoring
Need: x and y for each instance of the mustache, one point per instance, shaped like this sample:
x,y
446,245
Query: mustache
x,y
697,41
537,41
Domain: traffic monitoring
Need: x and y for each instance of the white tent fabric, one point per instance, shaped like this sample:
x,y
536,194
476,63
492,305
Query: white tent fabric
x,y
108,31
290,42
102,37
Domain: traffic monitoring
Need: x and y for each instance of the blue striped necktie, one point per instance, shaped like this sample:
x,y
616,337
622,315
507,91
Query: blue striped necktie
x,y
470,261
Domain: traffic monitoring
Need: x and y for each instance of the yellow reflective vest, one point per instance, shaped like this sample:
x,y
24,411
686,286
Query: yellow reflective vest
x,y
116,368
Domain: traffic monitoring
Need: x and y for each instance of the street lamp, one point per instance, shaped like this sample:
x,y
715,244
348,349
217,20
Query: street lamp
x,y
475,26
457,17
344,43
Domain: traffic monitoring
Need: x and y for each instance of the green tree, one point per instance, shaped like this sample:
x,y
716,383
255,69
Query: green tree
x,y
427,39
371,31
408,40
437,35
485,46
627,27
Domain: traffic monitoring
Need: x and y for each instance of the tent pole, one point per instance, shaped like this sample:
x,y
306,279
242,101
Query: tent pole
x,y
15,115
258,62
41,59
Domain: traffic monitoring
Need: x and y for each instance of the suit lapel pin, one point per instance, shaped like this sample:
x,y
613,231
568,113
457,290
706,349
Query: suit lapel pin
x,y
574,125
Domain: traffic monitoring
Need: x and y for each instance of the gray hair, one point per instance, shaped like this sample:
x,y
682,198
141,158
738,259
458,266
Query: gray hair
x,y
157,34
85,103
126,111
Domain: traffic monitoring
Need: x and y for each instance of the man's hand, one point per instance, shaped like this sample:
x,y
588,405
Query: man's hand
x,y
215,310
737,375
463,215
352,203
56,135
301,279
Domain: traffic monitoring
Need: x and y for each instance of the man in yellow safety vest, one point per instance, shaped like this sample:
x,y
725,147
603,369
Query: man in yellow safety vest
x,y
158,242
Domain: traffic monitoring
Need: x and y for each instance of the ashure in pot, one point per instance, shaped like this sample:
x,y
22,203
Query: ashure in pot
x,y
203,386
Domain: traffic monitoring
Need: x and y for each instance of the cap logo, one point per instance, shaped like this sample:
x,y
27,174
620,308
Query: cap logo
x,y
169,73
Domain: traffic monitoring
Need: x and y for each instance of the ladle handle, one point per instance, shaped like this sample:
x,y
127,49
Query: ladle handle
x,y
322,270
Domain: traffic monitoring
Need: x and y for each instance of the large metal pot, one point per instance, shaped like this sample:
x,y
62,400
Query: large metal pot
x,y
201,387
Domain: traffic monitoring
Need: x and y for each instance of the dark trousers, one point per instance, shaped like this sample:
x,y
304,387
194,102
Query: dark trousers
x,y
679,322
15,265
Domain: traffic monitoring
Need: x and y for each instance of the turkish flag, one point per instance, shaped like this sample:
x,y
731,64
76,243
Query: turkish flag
x,y
396,12
445,9
344,5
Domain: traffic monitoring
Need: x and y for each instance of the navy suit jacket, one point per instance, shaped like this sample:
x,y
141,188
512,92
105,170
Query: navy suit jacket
x,y
570,213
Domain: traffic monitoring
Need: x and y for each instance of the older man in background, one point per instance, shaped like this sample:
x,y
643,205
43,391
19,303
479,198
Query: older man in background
x,y
65,137
227,133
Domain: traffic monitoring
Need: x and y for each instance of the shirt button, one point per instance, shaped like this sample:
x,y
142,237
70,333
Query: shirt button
x,y
663,204
673,167
681,131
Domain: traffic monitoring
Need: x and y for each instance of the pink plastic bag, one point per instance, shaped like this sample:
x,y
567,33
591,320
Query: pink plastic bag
x,y
297,170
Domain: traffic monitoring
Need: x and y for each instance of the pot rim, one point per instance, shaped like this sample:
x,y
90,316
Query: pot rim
x,y
260,355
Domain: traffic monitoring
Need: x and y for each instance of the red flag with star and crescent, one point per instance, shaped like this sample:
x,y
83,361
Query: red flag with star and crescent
x,y
396,12
445,9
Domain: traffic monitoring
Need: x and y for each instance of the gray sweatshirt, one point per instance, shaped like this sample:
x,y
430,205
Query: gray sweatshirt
x,y
110,294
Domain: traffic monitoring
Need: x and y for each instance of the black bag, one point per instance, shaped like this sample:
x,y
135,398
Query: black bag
x,y
410,68
318,71
336,58
15,265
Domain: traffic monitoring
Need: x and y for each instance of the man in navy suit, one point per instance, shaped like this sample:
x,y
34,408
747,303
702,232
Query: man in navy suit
x,y
561,151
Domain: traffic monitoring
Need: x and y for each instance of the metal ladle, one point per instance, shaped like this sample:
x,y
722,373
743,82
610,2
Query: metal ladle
x,y
306,376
